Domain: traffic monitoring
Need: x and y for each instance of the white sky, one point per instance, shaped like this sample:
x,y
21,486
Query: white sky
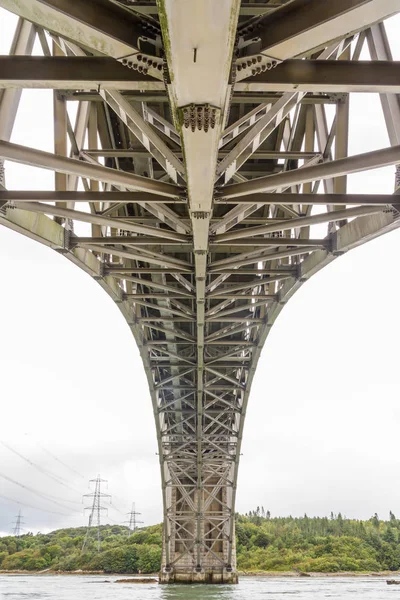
x,y
324,415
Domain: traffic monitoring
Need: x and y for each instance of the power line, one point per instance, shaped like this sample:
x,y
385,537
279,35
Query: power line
x,y
54,457
46,472
112,505
113,520
24,504
119,499
96,510
33,491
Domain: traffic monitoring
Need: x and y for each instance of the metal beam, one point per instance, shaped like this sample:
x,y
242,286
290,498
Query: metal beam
x,y
249,9
266,121
23,41
46,160
128,240
161,124
282,242
379,49
327,170
237,98
110,268
106,221
302,26
316,76
299,223
255,283
72,73
311,199
259,154
144,133
278,271
21,196
251,258
103,27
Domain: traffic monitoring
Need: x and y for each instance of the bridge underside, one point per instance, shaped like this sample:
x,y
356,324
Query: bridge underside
x,y
209,140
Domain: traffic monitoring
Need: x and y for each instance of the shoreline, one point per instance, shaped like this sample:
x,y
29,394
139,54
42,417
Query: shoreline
x,y
302,575
245,574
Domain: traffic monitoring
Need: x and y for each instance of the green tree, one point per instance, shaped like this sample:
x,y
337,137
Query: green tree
x,y
262,539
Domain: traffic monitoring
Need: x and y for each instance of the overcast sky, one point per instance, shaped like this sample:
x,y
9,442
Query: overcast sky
x,y
324,414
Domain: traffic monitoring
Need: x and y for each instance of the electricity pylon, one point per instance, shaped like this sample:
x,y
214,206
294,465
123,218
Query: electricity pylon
x,y
17,525
133,522
96,510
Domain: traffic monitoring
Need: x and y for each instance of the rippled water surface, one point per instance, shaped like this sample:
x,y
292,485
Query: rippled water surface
x,y
69,587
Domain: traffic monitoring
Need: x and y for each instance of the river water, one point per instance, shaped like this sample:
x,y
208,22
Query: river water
x,y
70,587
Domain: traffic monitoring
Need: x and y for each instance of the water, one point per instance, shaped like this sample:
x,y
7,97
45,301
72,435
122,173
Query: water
x,y
70,587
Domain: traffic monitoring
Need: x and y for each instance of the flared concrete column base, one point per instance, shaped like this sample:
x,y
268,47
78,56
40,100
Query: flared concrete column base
x,y
210,577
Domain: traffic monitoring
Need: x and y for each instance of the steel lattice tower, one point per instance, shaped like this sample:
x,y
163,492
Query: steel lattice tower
x,y
18,525
219,159
133,522
96,510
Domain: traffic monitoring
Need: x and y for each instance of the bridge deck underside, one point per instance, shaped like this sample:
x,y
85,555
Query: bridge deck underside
x,y
211,178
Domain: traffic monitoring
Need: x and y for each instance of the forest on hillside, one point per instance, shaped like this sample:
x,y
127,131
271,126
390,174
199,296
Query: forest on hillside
x,y
264,543
317,544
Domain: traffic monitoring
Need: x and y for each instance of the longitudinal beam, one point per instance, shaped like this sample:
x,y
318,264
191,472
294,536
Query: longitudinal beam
x,y
93,73
305,25
148,7
72,73
71,166
102,27
334,76
73,196
106,221
336,168
247,232
310,199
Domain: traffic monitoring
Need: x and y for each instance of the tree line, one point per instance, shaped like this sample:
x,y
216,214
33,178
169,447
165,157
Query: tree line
x,y
317,544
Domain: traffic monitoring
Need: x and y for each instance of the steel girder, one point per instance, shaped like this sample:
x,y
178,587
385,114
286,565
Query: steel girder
x,y
102,27
73,73
200,266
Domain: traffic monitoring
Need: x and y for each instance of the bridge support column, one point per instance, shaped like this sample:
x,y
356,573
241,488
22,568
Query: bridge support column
x,y
212,577
202,555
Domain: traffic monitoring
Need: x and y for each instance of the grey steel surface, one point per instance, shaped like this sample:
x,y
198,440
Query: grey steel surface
x,y
200,147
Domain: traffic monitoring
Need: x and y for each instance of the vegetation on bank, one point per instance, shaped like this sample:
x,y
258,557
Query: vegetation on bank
x,y
263,544
61,550
315,544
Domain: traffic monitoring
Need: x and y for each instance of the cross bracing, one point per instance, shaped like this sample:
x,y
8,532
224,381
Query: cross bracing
x,y
202,160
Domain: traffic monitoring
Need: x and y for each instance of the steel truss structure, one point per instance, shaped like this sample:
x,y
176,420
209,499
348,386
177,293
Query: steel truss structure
x,y
201,156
